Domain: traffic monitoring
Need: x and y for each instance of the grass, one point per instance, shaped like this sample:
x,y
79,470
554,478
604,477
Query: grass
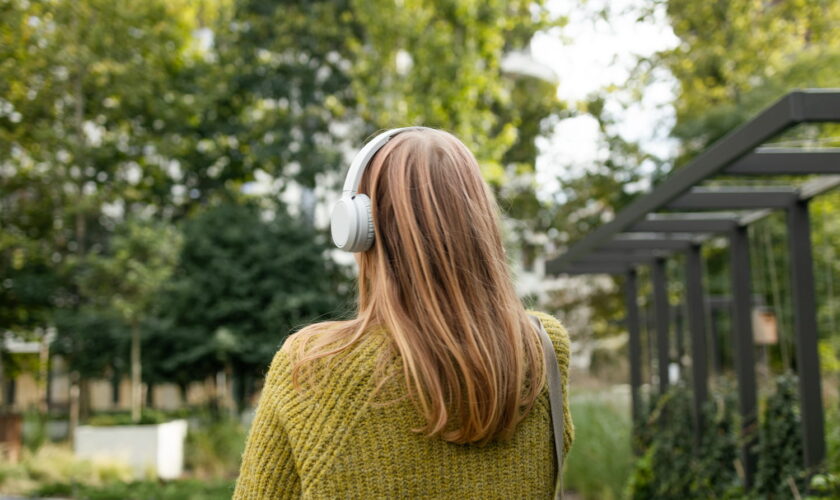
x,y
601,459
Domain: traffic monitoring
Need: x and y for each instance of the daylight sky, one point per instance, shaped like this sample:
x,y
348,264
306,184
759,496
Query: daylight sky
x,y
590,54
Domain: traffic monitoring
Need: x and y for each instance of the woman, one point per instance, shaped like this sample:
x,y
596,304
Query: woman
x,y
436,389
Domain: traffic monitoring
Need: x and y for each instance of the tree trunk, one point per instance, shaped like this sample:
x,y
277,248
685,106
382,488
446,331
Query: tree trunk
x,y
183,389
74,407
136,378
150,395
44,377
84,398
230,395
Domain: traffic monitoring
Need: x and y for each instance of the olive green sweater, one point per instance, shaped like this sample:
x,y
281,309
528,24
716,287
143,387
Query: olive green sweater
x,y
337,442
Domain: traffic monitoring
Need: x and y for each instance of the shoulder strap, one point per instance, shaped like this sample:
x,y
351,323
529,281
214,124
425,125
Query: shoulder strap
x,y
555,397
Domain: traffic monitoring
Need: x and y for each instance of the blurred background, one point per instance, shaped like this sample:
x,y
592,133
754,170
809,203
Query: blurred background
x,y
167,170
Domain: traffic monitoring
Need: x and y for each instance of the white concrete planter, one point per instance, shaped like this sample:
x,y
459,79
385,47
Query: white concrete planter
x,y
159,448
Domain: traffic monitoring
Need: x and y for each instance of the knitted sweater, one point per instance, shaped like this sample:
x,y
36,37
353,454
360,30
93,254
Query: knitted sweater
x,y
338,442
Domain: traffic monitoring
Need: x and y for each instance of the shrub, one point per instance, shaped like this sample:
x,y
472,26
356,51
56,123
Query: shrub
x,y
780,443
665,470
715,475
56,465
143,490
147,417
214,447
673,467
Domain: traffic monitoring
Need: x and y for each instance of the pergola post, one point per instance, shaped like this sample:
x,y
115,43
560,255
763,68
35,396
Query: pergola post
x,y
649,350
635,344
714,338
679,333
805,325
695,300
684,210
662,311
742,340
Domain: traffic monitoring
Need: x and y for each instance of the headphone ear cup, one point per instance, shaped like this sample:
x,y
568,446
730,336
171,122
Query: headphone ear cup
x,y
351,223
343,223
364,239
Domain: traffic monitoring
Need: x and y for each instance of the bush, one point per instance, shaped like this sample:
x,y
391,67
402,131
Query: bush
x,y
597,467
715,475
214,447
673,467
147,417
143,490
34,430
780,465
832,436
666,469
52,465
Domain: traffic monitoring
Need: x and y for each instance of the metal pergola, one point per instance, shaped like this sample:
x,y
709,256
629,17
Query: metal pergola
x,y
679,214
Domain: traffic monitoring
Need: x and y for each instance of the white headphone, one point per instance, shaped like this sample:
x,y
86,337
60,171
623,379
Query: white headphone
x,y
351,223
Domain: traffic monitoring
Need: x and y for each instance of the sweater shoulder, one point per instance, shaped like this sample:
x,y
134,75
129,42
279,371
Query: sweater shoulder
x,y
558,334
321,377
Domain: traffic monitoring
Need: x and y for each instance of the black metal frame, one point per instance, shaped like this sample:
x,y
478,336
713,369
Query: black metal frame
x,y
680,213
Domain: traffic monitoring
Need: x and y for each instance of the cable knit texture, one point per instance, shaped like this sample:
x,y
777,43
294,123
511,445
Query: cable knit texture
x,y
337,441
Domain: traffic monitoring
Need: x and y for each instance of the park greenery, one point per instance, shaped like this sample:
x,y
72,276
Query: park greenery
x,y
161,162
132,136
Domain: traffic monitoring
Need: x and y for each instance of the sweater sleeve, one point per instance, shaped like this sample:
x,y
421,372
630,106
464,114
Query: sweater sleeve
x,y
562,348
268,465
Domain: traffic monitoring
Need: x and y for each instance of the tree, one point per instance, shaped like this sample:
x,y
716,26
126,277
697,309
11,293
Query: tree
x,y
119,110
737,57
128,278
439,64
242,284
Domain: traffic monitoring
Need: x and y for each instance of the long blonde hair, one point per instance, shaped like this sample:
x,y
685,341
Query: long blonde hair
x,y
436,280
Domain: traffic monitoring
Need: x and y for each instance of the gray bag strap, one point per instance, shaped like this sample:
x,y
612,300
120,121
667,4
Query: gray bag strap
x,y
555,397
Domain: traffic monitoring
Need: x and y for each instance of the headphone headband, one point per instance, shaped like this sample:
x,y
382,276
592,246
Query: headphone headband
x,y
363,157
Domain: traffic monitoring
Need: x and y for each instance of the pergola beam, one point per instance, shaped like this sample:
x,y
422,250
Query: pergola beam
x,y
643,257
786,161
684,224
735,199
649,244
595,268
811,105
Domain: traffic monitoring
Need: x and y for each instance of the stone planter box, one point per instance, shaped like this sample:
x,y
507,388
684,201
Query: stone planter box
x,y
157,448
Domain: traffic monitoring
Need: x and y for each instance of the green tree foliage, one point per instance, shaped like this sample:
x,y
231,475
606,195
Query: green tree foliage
x,y
127,280
129,275
439,64
733,59
81,86
284,87
111,110
242,284
736,57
